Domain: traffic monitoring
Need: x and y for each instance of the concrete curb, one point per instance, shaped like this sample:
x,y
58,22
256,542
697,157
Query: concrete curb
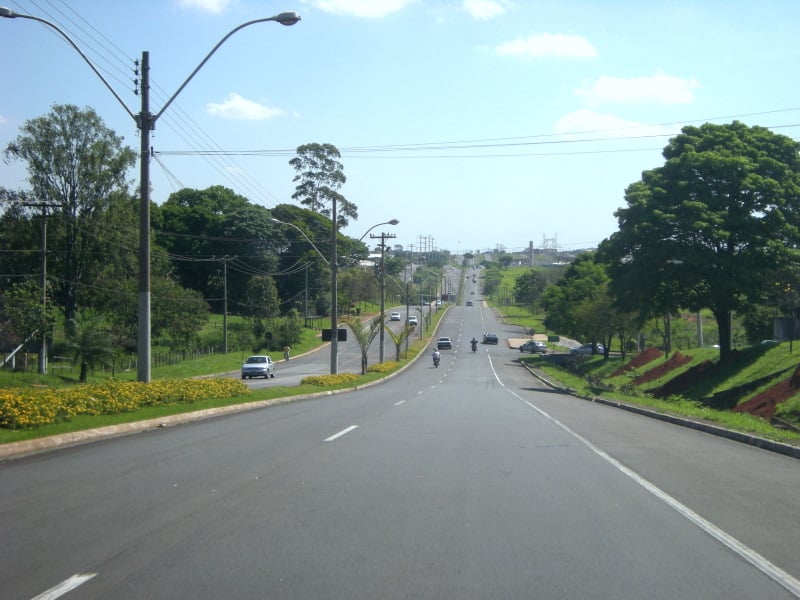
x,y
36,446
737,436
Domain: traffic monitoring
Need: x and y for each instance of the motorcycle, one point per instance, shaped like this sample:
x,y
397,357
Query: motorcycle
x,y
436,359
474,346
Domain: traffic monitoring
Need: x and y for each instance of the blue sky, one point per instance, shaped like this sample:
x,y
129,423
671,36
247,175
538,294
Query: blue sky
x,y
476,123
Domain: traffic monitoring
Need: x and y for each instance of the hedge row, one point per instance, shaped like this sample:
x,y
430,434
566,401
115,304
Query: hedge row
x,y
26,408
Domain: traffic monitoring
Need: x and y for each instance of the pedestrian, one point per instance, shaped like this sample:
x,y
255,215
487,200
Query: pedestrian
x,y
286,352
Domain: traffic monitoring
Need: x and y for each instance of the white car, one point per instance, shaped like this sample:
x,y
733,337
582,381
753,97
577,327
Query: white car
x,y
412,320
395,316
258,366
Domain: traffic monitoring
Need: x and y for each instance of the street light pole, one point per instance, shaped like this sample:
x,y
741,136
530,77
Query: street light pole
x,y
332,264
146,122
383,237
334,291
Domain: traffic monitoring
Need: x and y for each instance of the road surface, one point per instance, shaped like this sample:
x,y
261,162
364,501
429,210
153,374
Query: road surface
x,y
469,481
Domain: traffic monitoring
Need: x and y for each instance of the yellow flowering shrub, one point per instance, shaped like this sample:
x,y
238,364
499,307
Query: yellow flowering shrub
x,y
329,380
24,408
384,367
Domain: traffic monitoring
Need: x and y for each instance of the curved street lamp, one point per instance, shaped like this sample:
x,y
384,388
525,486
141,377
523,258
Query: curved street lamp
x,y
382,237
392,222
146,122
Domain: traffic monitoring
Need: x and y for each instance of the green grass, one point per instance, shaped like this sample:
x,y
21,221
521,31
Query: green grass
x,y
212,364
592,377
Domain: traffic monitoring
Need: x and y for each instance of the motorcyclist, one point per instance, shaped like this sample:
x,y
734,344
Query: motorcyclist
x,y
474,344
436,357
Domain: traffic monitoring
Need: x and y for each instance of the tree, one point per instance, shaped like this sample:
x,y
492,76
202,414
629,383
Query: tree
x,y
364,333
22,313
319,178
203,228
708,227
74,161
90,343
572,303
399,337
262,297
528,288
177,312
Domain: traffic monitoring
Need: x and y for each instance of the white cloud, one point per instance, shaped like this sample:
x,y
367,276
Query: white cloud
x,y
212,6
360,8
236,107
584,121
483,10
660,88
543,45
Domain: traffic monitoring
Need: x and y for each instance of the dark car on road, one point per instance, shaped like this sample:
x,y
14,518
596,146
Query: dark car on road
x,y
533,347
490,338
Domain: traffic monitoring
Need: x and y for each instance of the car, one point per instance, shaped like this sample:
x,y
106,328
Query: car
x,y
412,320
395,316
490,338
586,349
533,347
258,366
469,302
444,343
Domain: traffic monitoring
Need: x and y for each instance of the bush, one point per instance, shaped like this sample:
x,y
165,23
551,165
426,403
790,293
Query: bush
x,y
329,380
22,408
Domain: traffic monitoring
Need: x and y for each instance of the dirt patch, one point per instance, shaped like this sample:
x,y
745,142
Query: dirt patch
x,y
685,380
675,361
763,405
639,360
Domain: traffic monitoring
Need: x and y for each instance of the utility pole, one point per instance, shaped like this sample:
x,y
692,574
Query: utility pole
x,y
383,237
42,367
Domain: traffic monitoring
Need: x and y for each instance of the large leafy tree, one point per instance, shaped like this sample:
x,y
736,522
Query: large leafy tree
x,y
319,177
574,303
75,162
214,233
708,228
305,258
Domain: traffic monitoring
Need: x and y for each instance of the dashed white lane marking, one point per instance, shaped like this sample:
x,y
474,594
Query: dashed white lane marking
x,y
774,572
399,403
341,433
65,586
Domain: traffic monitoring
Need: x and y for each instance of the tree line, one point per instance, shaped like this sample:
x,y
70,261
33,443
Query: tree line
x,y
716,227
211,249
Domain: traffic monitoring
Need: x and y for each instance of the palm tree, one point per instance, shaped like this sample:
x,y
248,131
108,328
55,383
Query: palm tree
x,y
365,332
399,337
90,343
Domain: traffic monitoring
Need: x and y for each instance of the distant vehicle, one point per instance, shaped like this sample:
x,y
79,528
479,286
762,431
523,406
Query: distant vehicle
x,y
258,366
395,316
469,302
444,343
412,320
533,347
586,349
490,338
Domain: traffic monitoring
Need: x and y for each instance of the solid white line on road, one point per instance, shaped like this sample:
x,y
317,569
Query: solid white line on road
x,y
65,586
341,433
771,570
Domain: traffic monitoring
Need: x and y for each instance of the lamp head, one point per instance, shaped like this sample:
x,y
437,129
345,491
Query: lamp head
x,y
287,18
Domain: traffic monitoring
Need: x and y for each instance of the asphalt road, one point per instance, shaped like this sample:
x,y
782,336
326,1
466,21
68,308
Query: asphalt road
x,y
469,481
